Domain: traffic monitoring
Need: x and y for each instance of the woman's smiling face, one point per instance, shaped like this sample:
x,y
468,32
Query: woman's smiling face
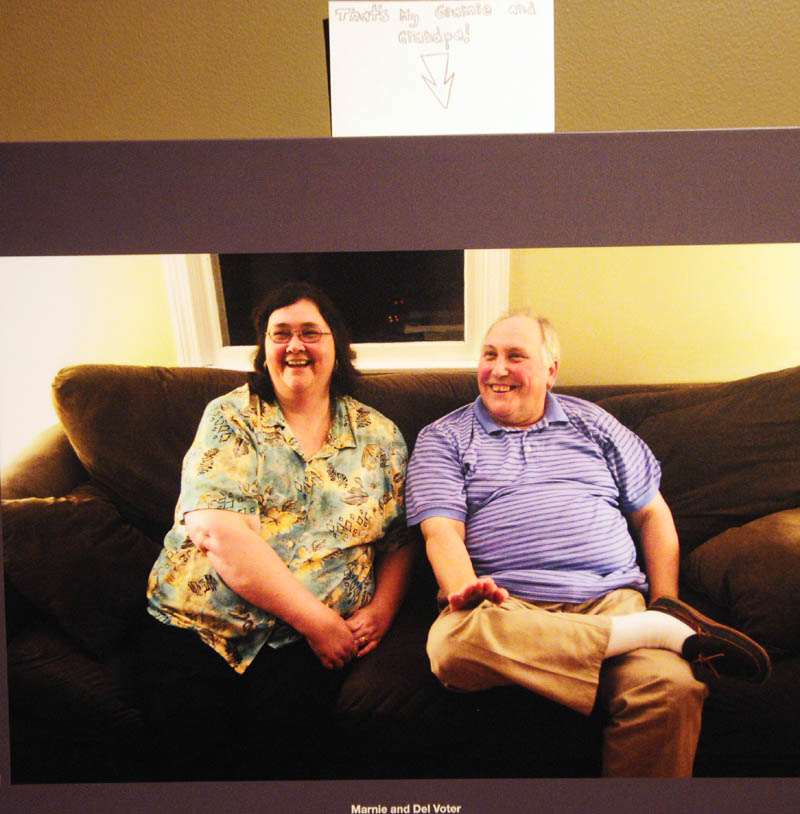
x,y
299,369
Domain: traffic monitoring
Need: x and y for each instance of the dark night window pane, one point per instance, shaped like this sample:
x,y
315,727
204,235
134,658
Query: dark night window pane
x,y
384,296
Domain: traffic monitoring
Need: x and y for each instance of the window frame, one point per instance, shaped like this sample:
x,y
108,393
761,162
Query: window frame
x,y
195,296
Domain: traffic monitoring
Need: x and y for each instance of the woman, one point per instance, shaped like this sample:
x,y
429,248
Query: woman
x,y
286,559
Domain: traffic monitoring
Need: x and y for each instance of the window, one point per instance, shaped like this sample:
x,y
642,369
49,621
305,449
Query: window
x,y
383,296
441,326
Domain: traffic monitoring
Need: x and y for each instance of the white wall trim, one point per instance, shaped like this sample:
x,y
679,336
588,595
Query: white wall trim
x,y
193,305
198,335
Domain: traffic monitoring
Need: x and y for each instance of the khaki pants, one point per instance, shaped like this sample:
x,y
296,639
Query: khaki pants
x,y
653,701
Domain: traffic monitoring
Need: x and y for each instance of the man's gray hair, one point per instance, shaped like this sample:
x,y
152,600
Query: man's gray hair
x,y
551,347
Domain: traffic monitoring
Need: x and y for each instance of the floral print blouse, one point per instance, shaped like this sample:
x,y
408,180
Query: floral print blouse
x,y
324,516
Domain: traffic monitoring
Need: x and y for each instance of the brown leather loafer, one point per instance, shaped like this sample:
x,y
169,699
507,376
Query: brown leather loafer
x,y
714,649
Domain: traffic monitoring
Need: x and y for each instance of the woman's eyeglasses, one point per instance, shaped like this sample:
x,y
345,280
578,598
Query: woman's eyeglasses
x,y
308,336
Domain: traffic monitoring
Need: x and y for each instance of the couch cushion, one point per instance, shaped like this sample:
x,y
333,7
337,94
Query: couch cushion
x,y
750,730
131,426
76,560
53,682
415,399
754,571
728,451
73,718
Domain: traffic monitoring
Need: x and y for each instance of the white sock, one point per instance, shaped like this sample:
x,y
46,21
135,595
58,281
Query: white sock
x,y
646,629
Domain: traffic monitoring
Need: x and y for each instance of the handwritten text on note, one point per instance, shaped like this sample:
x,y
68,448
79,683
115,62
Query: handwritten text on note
x,y
437,68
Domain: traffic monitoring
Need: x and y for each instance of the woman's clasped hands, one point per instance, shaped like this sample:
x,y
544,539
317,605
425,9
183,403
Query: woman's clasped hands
x,y
337,641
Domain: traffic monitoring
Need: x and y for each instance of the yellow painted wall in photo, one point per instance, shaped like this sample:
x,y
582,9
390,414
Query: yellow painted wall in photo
x,y
665,314
57,311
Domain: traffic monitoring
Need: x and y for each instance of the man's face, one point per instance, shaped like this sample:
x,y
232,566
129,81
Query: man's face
x,y
513,377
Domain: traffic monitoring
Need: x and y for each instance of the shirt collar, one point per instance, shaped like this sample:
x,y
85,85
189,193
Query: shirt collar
x,y
553,414
340,436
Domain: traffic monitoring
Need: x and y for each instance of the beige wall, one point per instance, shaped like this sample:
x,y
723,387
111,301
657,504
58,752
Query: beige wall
x,y
665,314
112,69
56,312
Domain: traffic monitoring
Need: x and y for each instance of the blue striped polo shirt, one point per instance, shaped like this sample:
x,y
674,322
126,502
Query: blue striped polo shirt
x,y
544,507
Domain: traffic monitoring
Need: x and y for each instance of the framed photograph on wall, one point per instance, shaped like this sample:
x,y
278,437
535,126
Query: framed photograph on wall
x,y
399,194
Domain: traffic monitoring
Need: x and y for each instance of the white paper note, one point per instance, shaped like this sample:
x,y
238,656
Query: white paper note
x,y
437,68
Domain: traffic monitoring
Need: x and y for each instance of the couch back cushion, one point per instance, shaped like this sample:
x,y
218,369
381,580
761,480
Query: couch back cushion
x,y
730,452
131,426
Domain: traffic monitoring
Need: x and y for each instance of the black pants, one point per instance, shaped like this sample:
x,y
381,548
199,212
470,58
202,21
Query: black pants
x,y
208,722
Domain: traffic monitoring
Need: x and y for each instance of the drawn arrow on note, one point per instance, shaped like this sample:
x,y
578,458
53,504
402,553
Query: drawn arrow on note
x,y
436,65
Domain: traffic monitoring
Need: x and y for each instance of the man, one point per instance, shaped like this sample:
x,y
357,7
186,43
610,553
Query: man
x,y
525,500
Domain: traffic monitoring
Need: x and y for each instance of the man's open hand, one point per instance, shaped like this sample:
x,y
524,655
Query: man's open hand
x,y
474,593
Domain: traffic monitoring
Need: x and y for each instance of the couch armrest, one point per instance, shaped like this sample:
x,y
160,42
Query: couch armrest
x,y
47,467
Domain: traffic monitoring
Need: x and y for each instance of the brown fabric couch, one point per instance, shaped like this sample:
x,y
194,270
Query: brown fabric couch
x,y
84,512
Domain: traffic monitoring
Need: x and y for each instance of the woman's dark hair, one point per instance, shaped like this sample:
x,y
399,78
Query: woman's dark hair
x,y
344,374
